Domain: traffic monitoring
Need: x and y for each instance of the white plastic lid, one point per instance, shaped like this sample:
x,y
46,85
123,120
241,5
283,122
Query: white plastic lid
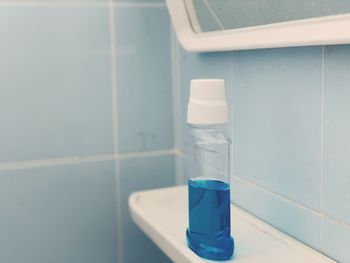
x,y
207,104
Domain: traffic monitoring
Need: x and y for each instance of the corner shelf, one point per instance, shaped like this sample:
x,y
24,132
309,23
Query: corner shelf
x,y
162,215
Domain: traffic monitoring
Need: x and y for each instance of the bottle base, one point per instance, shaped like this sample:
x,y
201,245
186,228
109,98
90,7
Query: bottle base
x,y
216,250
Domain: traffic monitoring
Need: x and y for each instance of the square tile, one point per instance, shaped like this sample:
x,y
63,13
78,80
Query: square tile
x,y
336,150
140,174
144,93
58,214
301,223
276,121
336,240
55,97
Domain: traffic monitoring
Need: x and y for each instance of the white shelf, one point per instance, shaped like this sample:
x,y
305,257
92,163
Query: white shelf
x,y
162,215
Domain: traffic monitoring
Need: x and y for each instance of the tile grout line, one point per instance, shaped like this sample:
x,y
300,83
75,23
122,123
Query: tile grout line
x,y
174,86
112,35
122,156
178,90
276,195
25,164
177,151
321,151
175,108
338,221
182,177
231,116
52,4
81,4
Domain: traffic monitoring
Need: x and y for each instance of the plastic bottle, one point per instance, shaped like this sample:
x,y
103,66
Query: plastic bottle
x,y
209,230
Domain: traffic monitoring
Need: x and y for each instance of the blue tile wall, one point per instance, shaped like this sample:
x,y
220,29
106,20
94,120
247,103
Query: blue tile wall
x,y
55,86
336,132
144,114
58,214
56,109
336,238
144,98
139,174
276,121
288,114
301,223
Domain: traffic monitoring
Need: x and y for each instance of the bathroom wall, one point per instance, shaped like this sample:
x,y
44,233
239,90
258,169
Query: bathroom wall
x,y
86,118
89,92
291,136
144,117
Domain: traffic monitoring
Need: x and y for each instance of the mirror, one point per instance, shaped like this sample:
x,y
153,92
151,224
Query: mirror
x,y
213,15
216,25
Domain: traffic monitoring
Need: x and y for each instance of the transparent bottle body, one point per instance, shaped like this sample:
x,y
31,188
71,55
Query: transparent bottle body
x,y
211,153
209,231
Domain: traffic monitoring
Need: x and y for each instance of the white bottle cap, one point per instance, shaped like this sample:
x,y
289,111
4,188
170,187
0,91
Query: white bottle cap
x,y
207,103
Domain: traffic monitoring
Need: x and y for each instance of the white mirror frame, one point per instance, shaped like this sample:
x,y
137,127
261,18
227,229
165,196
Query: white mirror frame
x,y
307,32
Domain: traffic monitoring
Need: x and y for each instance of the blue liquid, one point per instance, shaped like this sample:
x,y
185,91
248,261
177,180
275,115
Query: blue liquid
x,y
209,232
